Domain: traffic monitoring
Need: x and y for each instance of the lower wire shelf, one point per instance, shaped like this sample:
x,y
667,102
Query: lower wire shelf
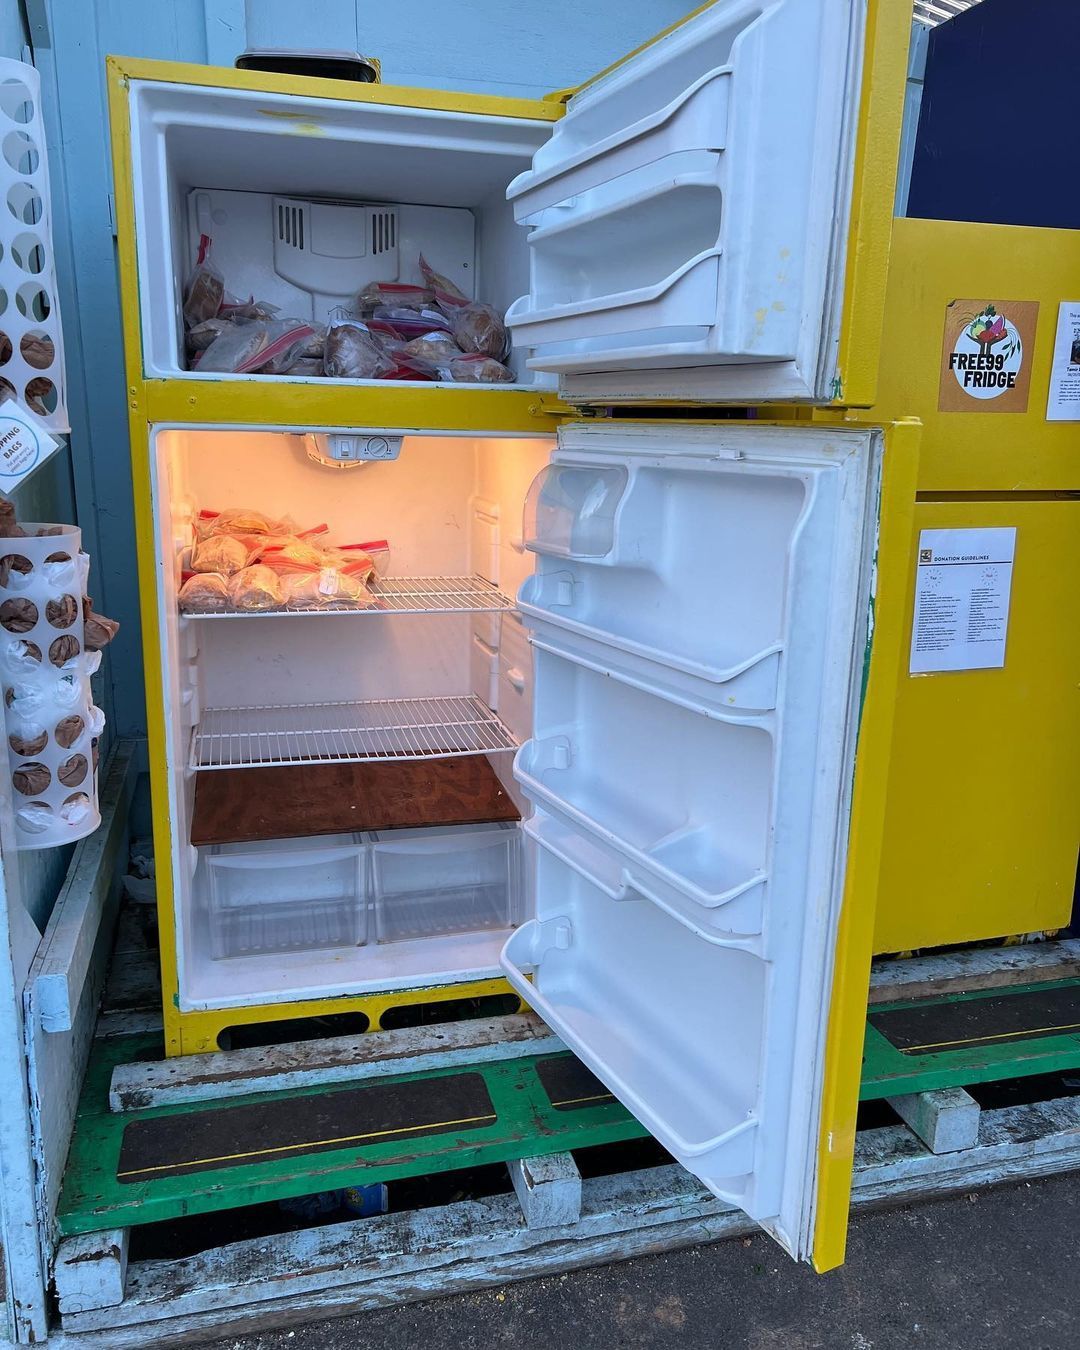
x,y
341,733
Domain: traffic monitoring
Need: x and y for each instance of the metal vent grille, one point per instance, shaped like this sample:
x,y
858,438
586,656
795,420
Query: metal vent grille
x,y
933,12
291,224
383,231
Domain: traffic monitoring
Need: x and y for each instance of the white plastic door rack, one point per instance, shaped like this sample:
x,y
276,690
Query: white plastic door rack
x,y
690,210
699,619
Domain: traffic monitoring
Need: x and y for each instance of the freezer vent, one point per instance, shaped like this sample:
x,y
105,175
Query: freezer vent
x,y
383,231
290,224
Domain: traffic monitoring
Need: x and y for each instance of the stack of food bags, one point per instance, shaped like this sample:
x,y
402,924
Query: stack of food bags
x,y
244,561
394,331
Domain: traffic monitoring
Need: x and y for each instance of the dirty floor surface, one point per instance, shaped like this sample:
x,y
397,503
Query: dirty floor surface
x,y
999,1268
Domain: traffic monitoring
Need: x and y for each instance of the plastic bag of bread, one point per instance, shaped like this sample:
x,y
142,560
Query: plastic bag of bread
x,y
205,288
407,323
255,588
352,352
286,339
374,555
472,368
377,293
447,295
321,587
222,553
204,593
308,549
477,327
202,335
242,521
434,348
307,367
238,345
250,309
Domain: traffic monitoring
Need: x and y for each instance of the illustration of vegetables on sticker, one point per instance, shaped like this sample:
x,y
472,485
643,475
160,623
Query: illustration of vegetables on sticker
x,y
989,328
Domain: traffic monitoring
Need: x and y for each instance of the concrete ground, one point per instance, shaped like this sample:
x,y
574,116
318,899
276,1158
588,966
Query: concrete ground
x,y
997,1268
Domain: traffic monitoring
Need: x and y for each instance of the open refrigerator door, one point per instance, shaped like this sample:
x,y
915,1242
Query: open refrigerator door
x,y
699,621
738,125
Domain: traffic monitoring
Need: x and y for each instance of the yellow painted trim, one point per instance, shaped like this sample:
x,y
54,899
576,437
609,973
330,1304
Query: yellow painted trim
x,y
198,1032
851,976
269,402
873,194
257,81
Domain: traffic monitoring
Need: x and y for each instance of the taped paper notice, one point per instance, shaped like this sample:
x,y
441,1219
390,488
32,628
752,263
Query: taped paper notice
x,y
962,589
1063,402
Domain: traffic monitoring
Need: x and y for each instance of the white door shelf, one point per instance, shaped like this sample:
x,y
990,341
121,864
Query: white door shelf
x,y
399,595
594,957
676,799
337,733
689,211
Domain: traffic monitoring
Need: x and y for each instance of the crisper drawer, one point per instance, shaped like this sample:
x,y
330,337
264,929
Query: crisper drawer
x,y
680,560
286,895
457,879
674,796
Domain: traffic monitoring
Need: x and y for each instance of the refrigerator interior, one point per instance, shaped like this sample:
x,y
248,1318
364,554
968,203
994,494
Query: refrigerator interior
x,y
240,687
307,199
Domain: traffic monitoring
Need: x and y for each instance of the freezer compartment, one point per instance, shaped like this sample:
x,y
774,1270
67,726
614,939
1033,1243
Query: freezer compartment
x,y
619,980
457,880
307,199
690,209
286,895
679,561
676,797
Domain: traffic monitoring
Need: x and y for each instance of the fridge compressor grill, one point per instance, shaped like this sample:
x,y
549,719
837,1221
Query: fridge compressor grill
x,y
338,733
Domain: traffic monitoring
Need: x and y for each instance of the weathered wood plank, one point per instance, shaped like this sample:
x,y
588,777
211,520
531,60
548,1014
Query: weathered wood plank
x,y
338,1059
397,1258
90,1271
86,902
56,1060
892,979
548,1189
945,1120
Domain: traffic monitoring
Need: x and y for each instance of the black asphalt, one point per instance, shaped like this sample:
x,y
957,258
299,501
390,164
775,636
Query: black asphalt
x,y
995,1268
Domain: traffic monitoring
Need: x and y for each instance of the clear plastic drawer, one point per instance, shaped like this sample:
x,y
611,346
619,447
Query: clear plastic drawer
x,y
457,879
287,895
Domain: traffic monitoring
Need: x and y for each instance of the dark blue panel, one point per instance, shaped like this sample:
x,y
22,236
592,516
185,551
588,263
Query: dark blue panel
x,y
999,129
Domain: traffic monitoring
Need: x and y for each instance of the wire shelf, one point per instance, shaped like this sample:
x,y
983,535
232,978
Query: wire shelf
x,y
399,595
338,733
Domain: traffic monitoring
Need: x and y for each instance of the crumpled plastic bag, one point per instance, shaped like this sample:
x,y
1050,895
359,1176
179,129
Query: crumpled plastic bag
x,y
205,289
377,293
447,295
256,588
205,593
477,327
221,553
352,352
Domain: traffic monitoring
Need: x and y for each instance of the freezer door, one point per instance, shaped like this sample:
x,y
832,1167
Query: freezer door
x,y
688,215
699,621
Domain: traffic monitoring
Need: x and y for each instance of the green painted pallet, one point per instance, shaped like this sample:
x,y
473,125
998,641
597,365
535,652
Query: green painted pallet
x,y
161,1163
979,1037
146,1166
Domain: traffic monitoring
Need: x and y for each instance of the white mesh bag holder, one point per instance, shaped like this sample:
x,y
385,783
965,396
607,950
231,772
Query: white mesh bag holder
x,y
31,345
50,720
